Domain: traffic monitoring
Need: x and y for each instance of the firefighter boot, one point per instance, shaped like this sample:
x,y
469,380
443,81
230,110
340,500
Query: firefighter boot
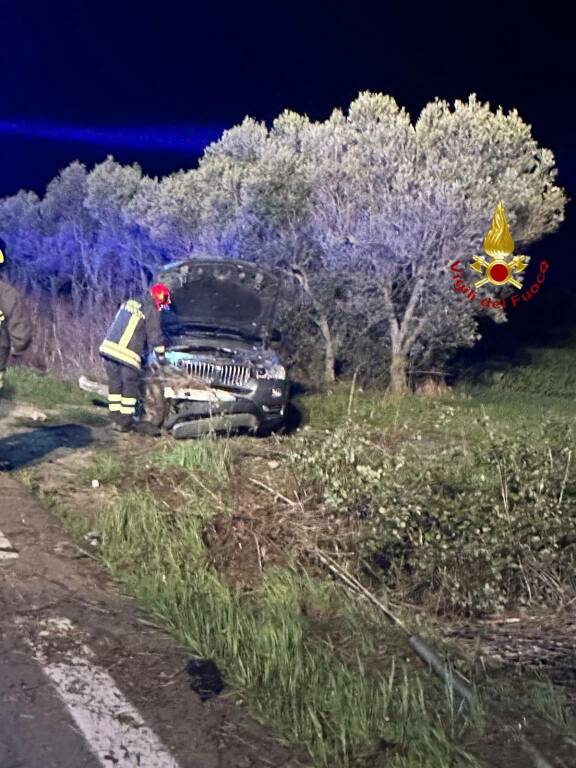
x,y
146,428
121,422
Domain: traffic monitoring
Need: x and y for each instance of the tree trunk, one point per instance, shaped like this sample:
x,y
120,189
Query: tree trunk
x,y
329,354
399,374
322,322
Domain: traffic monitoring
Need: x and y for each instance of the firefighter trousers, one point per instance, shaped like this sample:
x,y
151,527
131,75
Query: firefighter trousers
x,y
123,391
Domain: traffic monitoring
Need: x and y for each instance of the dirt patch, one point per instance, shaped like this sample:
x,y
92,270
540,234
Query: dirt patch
x,y
517,739
256,535
270,525
63,472
239,547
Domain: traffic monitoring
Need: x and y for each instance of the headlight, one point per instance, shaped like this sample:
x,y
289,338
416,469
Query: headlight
x,y
276,372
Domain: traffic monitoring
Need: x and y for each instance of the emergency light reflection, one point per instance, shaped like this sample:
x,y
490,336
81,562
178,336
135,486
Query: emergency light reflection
x,y
176,137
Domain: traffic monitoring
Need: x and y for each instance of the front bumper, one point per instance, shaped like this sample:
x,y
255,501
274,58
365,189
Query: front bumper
x,y
261,409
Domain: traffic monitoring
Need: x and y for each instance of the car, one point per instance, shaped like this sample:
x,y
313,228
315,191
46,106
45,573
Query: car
x,y
221,373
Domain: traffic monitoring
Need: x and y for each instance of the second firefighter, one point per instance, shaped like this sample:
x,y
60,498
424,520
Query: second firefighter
x,y
135,330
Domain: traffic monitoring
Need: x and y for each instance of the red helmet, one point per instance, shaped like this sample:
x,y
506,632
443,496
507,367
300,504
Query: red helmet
x,y
161,295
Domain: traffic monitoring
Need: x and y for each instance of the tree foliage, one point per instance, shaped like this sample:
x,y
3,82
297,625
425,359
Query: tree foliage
x,y
367,209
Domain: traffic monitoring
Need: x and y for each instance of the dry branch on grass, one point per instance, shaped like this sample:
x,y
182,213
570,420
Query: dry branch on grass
x,y
268,528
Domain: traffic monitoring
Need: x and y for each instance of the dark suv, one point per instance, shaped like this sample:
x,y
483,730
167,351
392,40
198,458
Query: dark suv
x,y
223,374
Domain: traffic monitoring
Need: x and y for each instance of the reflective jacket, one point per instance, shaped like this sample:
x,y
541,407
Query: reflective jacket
x,y
15,324
135,328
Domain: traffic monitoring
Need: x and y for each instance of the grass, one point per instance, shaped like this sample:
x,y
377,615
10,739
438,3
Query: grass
x,y
43,389
537,370
550,702
284,675
107,468
381,410
81,414
471,512
312,689
209,455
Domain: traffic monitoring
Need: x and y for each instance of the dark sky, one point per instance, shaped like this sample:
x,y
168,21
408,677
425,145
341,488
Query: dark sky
x,y
127,64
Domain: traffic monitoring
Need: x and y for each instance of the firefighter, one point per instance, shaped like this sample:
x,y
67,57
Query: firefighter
x,y
135,329
15,330
15,322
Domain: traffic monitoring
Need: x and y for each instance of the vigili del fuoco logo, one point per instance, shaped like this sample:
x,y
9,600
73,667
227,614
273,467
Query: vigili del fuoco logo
x,y
501,268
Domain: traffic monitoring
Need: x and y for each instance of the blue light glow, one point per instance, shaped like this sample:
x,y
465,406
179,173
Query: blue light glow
x,y
177,138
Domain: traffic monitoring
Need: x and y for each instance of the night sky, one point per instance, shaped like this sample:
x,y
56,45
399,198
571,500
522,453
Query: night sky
x,y
155,82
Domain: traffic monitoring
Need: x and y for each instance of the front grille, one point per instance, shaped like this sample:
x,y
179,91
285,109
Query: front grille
x,y
212,373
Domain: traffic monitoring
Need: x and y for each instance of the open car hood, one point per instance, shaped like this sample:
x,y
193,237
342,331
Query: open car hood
x,y
219,297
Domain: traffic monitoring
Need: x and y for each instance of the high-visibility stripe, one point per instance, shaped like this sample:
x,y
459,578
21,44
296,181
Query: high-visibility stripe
x,y
134,307
128,409
114,407
122,355
114,398
129,401
129,331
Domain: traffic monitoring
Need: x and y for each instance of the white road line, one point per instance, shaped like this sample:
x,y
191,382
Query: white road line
x,y
112,727
7,551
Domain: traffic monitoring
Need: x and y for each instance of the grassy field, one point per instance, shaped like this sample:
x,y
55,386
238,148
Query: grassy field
x,y
297,649
313,685
43,390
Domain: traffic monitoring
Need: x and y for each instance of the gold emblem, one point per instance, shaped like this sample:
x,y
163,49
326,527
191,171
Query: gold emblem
x,y
499,245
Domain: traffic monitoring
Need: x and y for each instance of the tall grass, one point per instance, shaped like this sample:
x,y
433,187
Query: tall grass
x,y
413,415
545,371
66,336
288,676
209,455
45,390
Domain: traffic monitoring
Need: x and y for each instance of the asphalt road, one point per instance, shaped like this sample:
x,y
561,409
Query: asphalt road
x,y
36,729
85,682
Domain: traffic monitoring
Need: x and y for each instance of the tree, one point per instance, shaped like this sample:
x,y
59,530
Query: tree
x,y
254,189
69,254
169,211
383,206
366,208
21,227
399,202
124,249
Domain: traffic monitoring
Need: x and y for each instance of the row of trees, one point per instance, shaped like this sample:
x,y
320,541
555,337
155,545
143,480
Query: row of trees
x,y
366,208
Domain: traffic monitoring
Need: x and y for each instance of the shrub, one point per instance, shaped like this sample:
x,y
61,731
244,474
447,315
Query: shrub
x,y
491,530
